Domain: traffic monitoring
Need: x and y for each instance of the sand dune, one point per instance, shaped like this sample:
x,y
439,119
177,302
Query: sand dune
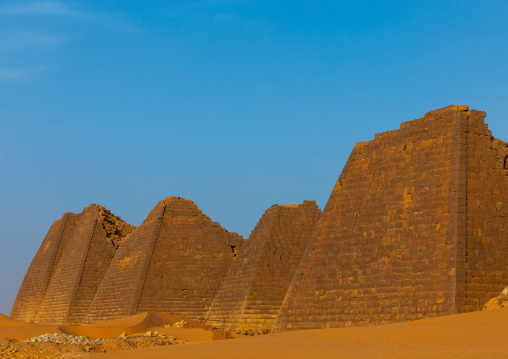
x,y
21,331
139,323
471,335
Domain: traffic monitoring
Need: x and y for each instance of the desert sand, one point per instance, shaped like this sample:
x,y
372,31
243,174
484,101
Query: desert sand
x,y
471,335
125,334
140,323
23,331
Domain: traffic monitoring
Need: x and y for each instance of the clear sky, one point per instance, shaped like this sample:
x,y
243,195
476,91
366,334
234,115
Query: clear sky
x,y
236,105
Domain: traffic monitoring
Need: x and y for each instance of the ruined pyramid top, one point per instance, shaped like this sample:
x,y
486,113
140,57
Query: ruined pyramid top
x,y
116,228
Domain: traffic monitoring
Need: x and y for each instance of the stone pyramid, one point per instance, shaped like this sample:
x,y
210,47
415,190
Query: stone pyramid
x,y
66,271
416,226
42,268
174,262
253,291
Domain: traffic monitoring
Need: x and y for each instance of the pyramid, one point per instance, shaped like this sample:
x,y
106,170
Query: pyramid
x,y
42,268
66,271
174,262
416,226
253,290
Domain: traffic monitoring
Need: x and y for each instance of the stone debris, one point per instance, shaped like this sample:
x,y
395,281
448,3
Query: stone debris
x,y
64,338
52,345
251,331
71,339
501,301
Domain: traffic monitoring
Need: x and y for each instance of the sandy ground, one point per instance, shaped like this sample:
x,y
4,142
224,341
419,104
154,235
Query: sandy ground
x,y
125,334
471,335
140,323
22,331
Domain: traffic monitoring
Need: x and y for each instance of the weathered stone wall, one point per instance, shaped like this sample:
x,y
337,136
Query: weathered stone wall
x,y
78,272
100,253
229,303
191,257
42,268
487,213
119,292
388,243
174,262
253,291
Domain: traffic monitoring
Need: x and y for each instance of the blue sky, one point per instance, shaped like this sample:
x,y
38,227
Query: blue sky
x,y
236,105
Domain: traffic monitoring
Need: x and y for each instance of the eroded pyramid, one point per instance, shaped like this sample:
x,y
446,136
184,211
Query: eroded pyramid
x,y
174,262
71,262
253,291
42,268
416,226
